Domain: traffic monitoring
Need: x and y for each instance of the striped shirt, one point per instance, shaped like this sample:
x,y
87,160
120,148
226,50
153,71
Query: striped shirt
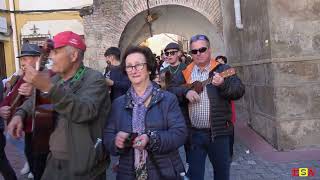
x,y
199,112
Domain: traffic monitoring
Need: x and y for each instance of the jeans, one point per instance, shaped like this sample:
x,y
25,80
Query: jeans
x,y
218,152
5,167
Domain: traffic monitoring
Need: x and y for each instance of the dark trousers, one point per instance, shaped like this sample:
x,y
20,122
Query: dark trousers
x,y
5,167
28,149
36,160
57,169
231,143
218,152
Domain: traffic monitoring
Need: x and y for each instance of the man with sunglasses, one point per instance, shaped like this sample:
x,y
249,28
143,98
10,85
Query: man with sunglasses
x,y
174,77
209,111
173,54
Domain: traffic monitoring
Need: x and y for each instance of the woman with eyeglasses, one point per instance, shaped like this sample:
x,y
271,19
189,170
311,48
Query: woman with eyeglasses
x,y
145,126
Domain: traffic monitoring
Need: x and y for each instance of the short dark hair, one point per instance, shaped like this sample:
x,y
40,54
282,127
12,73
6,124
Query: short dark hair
x,y
199,37
113,51
147,53
224,59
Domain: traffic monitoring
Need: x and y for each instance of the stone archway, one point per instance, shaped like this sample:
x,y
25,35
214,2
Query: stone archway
x,y
114,21
173,19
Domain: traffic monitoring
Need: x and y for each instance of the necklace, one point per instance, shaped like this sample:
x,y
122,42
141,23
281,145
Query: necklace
x,y
173,71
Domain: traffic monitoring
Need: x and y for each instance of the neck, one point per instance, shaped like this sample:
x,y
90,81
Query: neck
x,y
202,66
70,73
141,88
116,63
175,64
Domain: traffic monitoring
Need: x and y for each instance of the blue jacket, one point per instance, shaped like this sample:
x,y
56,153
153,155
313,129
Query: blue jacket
x,y
165,118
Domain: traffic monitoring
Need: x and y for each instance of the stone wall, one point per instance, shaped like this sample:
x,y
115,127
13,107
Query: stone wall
x,y
249,50
295,39
277,56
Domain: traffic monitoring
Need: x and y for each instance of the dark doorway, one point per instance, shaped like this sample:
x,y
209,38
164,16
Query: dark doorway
x,y
2,61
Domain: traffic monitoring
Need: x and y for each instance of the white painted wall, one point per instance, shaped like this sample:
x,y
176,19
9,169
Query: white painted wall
x,y
3,4
56,4
53,26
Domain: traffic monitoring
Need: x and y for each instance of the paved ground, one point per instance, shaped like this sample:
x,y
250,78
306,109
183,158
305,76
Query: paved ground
x,y
246,165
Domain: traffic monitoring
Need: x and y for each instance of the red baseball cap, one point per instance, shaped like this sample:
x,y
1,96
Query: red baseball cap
x,y
68,38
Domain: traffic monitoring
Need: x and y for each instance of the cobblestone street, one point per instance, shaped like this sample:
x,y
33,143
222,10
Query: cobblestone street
x,y
245,166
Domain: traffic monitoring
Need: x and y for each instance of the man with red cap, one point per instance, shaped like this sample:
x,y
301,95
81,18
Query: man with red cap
x,y
80,101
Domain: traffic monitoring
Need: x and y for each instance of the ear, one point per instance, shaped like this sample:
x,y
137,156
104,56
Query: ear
x,y
74,56
179,53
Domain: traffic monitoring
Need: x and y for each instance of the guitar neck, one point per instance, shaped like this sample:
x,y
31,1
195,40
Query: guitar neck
x,y
224,74
205,82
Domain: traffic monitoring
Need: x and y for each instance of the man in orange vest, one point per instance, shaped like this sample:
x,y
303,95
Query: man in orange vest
x,y
209,110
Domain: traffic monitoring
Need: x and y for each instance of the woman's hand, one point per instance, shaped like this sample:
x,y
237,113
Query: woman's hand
x,y
141,142
120,139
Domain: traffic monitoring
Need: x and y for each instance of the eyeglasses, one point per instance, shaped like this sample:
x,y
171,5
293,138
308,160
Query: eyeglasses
x,y
171,53
201,50
137,67
199,37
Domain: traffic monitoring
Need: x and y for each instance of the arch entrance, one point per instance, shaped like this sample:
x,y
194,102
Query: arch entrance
x,y
173,19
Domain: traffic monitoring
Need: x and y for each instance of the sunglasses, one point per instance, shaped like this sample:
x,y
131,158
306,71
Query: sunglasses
x,y
171,53
201,50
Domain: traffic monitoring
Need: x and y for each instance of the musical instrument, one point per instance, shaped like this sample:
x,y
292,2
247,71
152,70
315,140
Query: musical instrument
x,y
42,111
198,85
165,79
43,124
10,84
13,98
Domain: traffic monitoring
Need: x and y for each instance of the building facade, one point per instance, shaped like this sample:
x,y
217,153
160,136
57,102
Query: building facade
x,y
35,20
276,53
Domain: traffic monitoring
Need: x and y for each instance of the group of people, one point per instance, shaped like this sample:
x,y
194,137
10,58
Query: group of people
x,y
123,112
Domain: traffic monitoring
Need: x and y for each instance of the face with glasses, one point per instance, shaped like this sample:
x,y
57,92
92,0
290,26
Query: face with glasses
x,y
172,56
136,68
200,52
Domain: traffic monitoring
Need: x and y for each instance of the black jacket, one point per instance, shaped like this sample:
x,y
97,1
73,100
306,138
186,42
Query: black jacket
x,y
121,82
220,100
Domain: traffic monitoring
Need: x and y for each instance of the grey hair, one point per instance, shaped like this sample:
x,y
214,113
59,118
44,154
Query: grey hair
x,y
71,49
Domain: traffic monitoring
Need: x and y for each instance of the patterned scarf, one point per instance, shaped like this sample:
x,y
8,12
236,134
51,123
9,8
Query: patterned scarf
x,y
138,126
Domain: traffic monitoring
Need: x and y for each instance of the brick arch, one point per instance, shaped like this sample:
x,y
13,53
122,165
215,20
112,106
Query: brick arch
x,y
110,20
174,19
209,9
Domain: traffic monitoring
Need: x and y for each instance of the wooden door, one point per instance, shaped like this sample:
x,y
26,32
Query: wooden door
x,y
2,61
